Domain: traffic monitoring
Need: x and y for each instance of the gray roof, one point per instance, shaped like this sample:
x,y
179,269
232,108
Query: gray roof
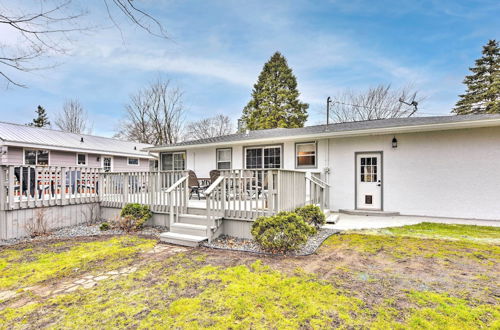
x,y
17,134
336,128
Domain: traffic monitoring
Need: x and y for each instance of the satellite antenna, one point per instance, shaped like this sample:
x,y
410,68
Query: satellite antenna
x,y
413,103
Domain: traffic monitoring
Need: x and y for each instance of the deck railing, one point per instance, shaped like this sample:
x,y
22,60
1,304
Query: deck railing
x,y
149,188
318,191
178,199
36,186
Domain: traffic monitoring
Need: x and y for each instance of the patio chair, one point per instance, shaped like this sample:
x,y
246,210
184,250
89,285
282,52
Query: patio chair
x,y
214,175
194,185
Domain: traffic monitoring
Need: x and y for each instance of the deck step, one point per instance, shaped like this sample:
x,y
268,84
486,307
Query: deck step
x,y
197,210
332,218
189,229
370,213
182,239
195,219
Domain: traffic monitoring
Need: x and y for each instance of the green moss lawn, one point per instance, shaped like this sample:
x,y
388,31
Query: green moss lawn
x,y
427,276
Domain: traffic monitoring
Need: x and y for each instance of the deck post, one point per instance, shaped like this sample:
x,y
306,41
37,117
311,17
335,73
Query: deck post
x,y
3,195
125,189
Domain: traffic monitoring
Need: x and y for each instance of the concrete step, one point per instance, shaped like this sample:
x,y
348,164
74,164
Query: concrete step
x,y
370,213
189,229
182,239
332,218
327,212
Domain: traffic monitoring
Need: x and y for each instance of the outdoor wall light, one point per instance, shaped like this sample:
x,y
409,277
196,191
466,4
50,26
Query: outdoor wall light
x,y
98,158
394,142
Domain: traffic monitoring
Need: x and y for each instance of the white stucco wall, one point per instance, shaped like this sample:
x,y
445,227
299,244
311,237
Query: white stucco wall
x,y
447,174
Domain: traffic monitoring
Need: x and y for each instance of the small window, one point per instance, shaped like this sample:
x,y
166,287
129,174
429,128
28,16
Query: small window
x,y
36,157
305,154
81,159
224,159
133,161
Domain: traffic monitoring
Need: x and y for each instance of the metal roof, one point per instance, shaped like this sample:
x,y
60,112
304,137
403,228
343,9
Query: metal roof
x,y
350,128
22,135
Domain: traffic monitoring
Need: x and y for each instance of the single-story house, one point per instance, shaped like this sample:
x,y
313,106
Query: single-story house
x,y
442,166
28,145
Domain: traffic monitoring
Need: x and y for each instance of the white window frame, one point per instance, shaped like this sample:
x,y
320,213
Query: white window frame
x,y
315,155
138,161
217,161
111,165
173,162
86,159
36,156
280,146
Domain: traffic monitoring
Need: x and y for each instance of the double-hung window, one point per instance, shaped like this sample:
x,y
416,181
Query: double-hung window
x,y
305,155
263,157
224,158
36,157
173,161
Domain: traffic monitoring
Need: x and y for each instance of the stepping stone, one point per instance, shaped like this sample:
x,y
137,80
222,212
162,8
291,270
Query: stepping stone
x,y
100,278
73,288
4,295
81,281
89,285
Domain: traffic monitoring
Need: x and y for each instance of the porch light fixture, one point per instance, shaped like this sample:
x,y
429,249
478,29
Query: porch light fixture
x,y
394,142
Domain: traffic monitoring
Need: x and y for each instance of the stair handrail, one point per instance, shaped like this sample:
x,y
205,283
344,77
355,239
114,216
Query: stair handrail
x,y
322,195
214,203
182,198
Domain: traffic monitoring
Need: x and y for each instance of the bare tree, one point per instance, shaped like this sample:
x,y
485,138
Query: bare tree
x,y
378,102
154,115
74,118
44,29
209,127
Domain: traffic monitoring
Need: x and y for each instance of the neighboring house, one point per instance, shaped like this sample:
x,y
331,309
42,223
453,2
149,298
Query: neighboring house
x,y
446,166
27,145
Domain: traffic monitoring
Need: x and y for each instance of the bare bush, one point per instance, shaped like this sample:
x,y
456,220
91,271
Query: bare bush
x,y
38,225
92,213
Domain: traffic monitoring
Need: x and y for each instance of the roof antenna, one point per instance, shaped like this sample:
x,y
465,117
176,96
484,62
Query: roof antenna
x,y
328,102
412,103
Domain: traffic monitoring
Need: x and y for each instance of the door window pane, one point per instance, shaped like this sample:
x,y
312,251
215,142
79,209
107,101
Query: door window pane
x,y
368,169
106,164
167,161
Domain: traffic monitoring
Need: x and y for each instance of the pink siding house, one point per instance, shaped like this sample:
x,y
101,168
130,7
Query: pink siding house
x,y
26,145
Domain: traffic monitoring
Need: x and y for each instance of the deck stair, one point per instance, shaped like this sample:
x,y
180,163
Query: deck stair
x,y
190,229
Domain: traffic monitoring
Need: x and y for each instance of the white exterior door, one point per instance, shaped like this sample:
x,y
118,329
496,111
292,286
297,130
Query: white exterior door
x,y
369,181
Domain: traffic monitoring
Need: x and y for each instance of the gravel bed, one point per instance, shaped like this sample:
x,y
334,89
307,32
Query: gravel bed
x,y
82,231
249,245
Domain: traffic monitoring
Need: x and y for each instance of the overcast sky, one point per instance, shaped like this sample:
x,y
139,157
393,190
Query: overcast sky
x,y
217,49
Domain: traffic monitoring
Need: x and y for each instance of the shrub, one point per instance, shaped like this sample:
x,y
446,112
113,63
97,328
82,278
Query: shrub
x,y
285,231
134,216
104,226
312,214
37,226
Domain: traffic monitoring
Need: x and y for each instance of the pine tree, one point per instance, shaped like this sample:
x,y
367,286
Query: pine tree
x,y
483,86
275,98
41,120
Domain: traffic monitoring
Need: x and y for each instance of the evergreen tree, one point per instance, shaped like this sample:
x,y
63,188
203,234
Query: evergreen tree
x,y
42,120
275,99
483,85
